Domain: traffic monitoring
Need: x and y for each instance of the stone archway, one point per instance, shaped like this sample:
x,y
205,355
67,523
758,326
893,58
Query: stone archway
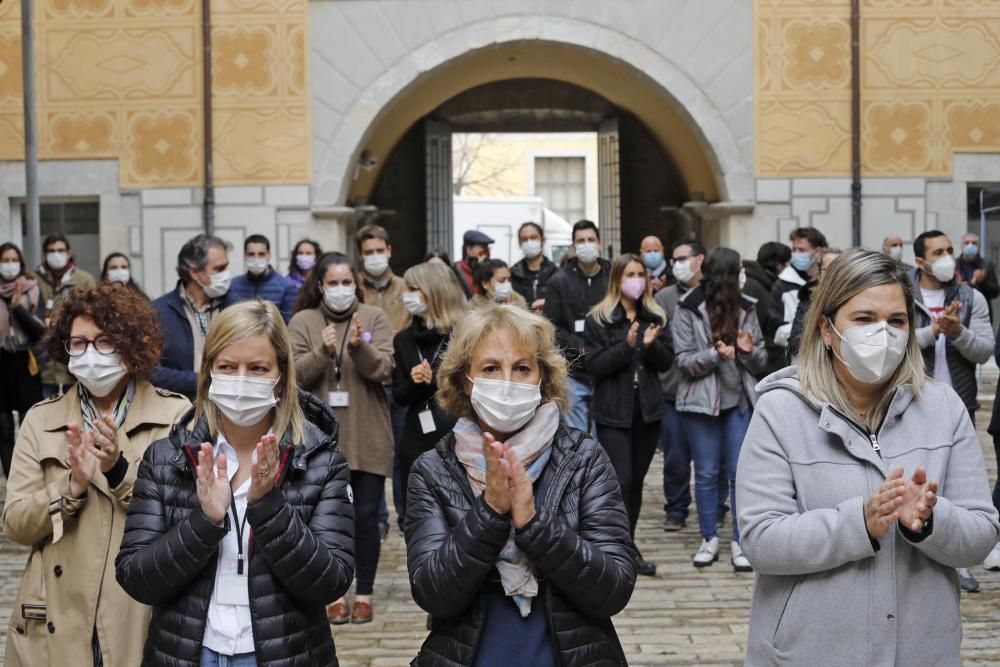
x,y
625,70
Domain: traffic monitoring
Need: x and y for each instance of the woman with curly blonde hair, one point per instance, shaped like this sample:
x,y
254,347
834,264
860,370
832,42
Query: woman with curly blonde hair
x,y
70,484
516,531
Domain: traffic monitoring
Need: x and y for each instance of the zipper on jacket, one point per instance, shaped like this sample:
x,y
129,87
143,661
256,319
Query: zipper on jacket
x,y
874,439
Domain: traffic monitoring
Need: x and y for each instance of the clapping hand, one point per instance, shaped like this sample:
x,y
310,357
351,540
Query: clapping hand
x,y
633,335
522,491
649,336
82,462
918,500
422,373
950,323
329,335
882,509
355,330
726,352
744,342
497,492
104,443
214,493
264,471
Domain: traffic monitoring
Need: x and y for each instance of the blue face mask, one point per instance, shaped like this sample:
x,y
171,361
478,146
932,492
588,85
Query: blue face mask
x,y
802,261
652,259
971,250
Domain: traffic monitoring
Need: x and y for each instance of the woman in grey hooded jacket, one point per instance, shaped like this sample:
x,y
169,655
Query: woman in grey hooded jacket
x,y
861,487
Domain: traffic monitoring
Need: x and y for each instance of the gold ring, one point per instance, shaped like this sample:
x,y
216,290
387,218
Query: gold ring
x,y
265,471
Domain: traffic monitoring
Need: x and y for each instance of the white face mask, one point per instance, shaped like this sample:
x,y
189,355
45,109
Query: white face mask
x,y
896,252
505,406
501,291
587,252
872,352
57,260
10,270
243,400
256,266
99,373
119,276
943,269
531,249
375,265
339,297
218,285
743,278
682,271
413,304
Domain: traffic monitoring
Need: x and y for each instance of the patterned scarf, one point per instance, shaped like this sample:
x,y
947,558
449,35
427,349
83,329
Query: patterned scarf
x,y
533,447
90,414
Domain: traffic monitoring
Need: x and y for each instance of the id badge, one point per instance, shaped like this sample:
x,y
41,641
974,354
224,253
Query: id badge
x,y
578,326
232,589
338,399
427,422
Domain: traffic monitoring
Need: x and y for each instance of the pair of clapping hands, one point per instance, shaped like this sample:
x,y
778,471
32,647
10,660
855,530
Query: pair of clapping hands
x,y
907,501
509,490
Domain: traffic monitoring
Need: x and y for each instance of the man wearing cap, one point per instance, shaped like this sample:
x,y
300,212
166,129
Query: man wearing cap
x,y
475,246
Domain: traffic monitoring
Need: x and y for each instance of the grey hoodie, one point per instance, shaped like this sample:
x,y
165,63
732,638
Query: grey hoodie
x,y
823,595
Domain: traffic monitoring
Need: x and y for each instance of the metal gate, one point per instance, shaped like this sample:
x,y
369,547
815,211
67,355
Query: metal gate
x,y
440,209
609,187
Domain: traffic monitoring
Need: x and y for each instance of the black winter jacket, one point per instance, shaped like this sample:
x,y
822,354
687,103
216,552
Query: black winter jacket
x,y
614,366
532,288
570,297
301,554
578,542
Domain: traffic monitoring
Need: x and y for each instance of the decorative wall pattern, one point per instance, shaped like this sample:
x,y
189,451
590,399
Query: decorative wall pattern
x,y
930,79
122,79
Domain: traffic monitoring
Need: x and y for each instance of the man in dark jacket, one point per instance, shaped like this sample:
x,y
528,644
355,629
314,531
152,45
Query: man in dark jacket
x,y
952,328
261,281
187,311
475,246
772,258
976,270
573,291
807,248
531,274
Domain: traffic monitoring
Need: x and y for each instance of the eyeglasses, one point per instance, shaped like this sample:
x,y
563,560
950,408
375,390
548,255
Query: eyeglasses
x,y
77,345
675,260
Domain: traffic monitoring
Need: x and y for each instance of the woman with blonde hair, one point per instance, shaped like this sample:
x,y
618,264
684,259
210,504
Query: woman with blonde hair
x,y
720,349
628,345
517,537
862,487
71,482
436,304
241,527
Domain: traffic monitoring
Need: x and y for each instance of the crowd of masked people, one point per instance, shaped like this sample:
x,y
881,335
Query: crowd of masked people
x,y
202,477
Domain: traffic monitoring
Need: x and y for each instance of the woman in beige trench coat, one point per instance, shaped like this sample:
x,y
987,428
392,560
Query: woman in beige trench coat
x,y
71,479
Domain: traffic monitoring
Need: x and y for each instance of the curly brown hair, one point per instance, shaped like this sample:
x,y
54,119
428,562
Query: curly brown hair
x,y
125,316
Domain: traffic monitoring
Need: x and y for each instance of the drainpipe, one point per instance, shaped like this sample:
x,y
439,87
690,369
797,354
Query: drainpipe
x,y
855,123
33,244
208,206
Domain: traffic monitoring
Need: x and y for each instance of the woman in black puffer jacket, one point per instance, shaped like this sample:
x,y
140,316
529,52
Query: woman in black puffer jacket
x,y
517,537
182,550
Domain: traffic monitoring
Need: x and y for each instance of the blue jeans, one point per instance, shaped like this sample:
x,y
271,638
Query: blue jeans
x,y
578,415
677,467
210,658
710,437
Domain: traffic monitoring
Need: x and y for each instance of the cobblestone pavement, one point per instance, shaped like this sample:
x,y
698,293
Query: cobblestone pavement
x,y
680,617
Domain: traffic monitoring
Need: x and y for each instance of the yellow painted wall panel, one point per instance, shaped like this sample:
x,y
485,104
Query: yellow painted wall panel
x,y
930,85
122,79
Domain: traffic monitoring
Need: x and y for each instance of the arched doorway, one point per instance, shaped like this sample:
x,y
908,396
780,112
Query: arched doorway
x,y
547,85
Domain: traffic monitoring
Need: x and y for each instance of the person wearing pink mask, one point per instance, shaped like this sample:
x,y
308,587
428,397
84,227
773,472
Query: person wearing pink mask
x,y
628,345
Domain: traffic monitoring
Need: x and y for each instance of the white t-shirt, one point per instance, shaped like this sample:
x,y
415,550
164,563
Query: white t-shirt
x,y
228,629
934,300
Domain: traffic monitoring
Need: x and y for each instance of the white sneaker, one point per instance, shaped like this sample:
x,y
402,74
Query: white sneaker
x,y
707,553
992,561
739,561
